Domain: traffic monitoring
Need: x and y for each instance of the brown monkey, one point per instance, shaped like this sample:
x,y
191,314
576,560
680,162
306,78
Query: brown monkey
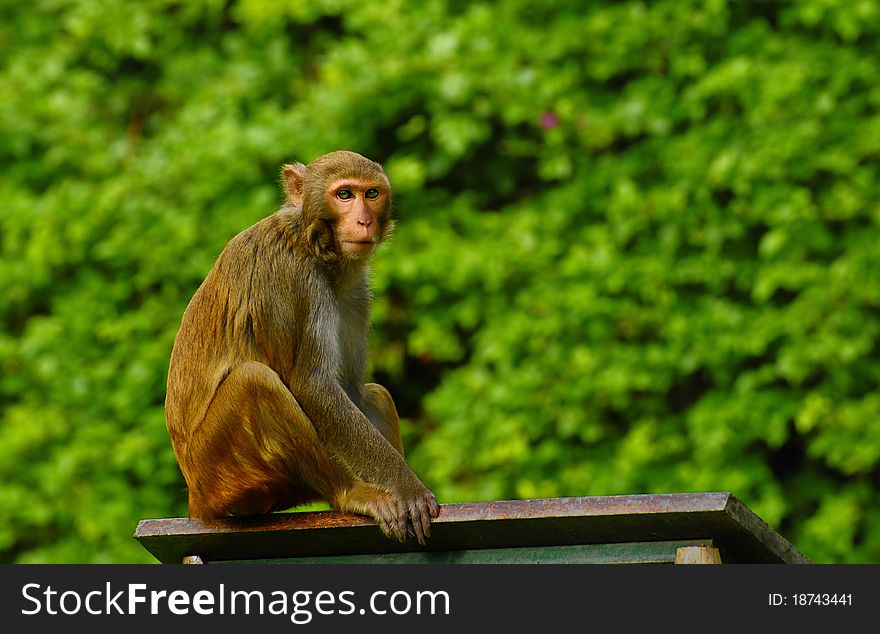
x,y
266,404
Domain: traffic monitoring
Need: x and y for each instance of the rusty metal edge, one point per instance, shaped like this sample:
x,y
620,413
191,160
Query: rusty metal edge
x,y
755,526
741,533
453,513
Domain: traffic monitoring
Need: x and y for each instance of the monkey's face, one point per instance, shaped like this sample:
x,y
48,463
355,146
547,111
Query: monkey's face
x,y
361,212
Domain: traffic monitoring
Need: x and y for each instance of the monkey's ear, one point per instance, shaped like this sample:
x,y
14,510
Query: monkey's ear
x,y
293,176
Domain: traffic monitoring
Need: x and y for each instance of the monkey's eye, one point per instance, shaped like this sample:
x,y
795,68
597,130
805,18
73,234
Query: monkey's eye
x,y
372,193
344,194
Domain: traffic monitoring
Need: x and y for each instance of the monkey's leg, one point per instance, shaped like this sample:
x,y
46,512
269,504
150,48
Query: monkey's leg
x,y
256,451
380,410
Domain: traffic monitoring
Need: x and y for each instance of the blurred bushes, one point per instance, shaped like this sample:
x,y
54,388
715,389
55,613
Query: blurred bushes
x,y
637,251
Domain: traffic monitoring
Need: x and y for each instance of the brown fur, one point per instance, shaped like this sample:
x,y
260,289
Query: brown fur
x,y
266,404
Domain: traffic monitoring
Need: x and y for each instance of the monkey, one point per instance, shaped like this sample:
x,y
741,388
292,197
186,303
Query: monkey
x,y
266,403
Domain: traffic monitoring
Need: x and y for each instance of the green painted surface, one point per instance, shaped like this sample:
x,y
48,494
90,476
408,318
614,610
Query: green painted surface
x,y
625,553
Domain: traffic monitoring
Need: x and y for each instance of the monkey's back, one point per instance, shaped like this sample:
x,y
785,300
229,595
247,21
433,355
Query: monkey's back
x,y
236,316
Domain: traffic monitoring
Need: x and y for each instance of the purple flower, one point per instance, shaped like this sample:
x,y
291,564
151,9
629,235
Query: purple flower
x,y
549,120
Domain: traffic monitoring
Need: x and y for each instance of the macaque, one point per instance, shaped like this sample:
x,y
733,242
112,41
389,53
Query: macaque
x,y
266,402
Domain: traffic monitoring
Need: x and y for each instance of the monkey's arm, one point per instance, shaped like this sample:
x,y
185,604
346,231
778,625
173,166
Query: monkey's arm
x,y
345,430
341,425
349,435
400,503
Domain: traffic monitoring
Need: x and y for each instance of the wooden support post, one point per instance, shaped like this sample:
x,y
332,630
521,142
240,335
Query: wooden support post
x,y
697,555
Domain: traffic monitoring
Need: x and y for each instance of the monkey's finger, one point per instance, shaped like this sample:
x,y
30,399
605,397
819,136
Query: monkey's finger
x,y
385,527
391,527
400,531
392,518
433,507
415,512
400,518
396,530
425,518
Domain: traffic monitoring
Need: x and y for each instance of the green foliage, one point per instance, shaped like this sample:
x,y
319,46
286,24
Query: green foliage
x,y
637,250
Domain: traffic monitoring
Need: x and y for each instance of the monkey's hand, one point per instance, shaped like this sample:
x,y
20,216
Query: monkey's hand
x,y
413,508
406,509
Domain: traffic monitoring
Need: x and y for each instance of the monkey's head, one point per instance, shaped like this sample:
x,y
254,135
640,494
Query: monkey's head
x,y
345,201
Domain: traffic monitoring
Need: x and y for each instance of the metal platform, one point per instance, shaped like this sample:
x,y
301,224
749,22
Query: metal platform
x,y
698,527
